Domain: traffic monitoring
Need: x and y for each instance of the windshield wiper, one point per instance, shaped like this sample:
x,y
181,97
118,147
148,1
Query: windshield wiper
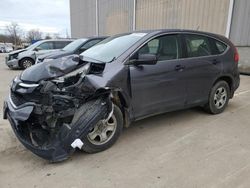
x,y
114,58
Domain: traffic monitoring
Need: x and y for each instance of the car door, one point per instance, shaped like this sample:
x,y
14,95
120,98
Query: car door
x,y
202,67
158,88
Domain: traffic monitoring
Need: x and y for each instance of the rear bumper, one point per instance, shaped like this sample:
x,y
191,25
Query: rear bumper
x,y
236,85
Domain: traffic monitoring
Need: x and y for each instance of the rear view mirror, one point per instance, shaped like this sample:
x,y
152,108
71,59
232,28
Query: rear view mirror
x,y
145,59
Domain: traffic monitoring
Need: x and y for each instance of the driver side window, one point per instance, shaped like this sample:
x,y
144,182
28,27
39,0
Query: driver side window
x,y
46,46
164,47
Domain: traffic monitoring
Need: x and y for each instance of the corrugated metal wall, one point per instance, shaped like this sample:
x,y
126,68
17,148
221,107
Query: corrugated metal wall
x,y
240,28
115,16
206,15
83,18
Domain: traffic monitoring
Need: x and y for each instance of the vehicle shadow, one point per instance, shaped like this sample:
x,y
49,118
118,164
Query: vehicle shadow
x,y
150,127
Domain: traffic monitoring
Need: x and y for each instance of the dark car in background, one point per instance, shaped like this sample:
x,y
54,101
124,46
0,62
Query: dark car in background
x,y
25,58
85,102
76,47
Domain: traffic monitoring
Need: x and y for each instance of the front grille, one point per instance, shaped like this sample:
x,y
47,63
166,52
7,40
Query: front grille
x,y
17,99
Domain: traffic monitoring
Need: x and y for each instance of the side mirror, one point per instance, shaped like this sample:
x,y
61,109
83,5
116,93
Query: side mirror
x,y
145,59
37,49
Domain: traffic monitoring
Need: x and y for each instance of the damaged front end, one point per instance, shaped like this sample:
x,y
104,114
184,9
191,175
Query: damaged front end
x,y
52,106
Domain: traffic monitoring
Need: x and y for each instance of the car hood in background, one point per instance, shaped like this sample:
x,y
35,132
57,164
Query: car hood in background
x,y
17,51
51,69
55,54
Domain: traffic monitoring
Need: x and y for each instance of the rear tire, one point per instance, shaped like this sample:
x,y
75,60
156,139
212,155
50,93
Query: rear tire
x,y
218,98
94,142
26,63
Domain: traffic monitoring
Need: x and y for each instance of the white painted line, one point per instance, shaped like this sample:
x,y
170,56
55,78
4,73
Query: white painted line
x,y
241,93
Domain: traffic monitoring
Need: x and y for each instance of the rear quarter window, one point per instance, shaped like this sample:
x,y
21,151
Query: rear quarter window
x,y
221,47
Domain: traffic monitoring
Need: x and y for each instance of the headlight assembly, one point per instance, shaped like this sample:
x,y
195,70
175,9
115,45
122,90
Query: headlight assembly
x,y
13,56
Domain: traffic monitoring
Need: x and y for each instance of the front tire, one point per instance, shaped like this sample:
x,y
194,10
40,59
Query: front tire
x,y
26,63
104,135
218,98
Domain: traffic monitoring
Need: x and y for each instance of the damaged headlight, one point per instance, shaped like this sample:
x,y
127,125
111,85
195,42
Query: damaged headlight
x,y
13,56
78,72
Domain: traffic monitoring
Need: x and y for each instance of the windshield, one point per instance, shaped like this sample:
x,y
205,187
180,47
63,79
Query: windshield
x,y
112,47
74,45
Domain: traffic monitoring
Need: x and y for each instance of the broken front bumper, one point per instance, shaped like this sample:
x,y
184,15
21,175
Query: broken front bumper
x,y
64,143
12,63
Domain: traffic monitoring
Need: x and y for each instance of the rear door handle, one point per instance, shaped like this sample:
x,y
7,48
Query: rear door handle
x,y
215,61
179,67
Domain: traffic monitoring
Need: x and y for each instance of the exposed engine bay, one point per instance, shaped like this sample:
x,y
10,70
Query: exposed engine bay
x,y
51,112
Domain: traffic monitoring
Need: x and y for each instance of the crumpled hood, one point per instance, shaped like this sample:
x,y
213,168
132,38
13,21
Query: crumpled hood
x,y
51,69
17,51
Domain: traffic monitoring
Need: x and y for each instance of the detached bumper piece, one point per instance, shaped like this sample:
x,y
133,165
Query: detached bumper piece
x,y
66,138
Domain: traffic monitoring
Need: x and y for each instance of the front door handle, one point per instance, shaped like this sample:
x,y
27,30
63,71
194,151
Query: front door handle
x,y
179,67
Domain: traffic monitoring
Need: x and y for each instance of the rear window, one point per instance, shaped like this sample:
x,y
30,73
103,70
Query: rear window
x,y
221,47
197,46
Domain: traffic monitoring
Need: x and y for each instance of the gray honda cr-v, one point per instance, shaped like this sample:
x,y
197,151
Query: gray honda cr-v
x,y
85,102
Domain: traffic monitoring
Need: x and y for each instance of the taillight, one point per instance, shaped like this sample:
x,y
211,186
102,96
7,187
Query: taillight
x,y
236,55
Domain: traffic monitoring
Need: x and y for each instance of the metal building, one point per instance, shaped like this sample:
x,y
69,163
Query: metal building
x,y
108,17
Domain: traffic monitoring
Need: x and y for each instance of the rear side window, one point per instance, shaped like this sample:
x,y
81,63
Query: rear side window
x,y
60,44
197,46
221,47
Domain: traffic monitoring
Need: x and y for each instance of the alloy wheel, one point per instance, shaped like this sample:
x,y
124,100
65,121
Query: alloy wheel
x,y
27,63
103,131
220,97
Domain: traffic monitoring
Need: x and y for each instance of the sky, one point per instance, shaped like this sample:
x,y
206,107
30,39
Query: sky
x,y
48,16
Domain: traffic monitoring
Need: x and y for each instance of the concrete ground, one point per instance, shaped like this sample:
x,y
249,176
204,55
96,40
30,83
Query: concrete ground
x,y
187,148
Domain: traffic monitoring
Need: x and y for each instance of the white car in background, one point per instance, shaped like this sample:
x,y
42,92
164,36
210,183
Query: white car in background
x,y
25,58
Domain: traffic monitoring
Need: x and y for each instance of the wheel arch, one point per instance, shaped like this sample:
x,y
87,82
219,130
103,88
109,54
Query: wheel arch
x,y
23,58
227,79
120,100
